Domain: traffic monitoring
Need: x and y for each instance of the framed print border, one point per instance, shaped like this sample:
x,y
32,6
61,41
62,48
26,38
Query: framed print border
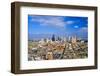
x,y
15,36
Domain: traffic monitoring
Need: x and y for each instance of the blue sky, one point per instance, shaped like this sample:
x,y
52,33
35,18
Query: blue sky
x,y
58,25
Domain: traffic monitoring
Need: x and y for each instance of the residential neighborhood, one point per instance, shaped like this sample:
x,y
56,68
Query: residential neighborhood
x,y
57,48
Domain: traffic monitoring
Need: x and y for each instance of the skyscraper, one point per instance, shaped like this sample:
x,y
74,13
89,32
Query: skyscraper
x,y
74,39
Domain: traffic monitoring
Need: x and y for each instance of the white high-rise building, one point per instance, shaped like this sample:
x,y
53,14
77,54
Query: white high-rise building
x,y
74,39
41,41
69,38
64,39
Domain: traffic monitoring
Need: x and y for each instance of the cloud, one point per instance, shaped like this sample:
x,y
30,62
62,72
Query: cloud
x,y
76,26
51,21
83,29
69,22
54,22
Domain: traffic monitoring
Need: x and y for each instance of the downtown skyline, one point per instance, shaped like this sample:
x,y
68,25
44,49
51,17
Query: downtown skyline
x,y
45,26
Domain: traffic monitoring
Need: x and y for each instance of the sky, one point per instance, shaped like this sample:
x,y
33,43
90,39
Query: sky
x,y
39,25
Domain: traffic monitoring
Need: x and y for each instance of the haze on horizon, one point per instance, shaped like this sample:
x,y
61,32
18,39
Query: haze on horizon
x,y
43,26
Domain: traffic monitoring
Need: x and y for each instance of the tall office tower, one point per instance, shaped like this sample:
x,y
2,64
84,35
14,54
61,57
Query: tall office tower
x,y
69,38
74,39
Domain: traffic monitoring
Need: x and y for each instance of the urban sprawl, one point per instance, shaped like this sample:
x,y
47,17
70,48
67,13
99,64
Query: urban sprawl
x,y
57,48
